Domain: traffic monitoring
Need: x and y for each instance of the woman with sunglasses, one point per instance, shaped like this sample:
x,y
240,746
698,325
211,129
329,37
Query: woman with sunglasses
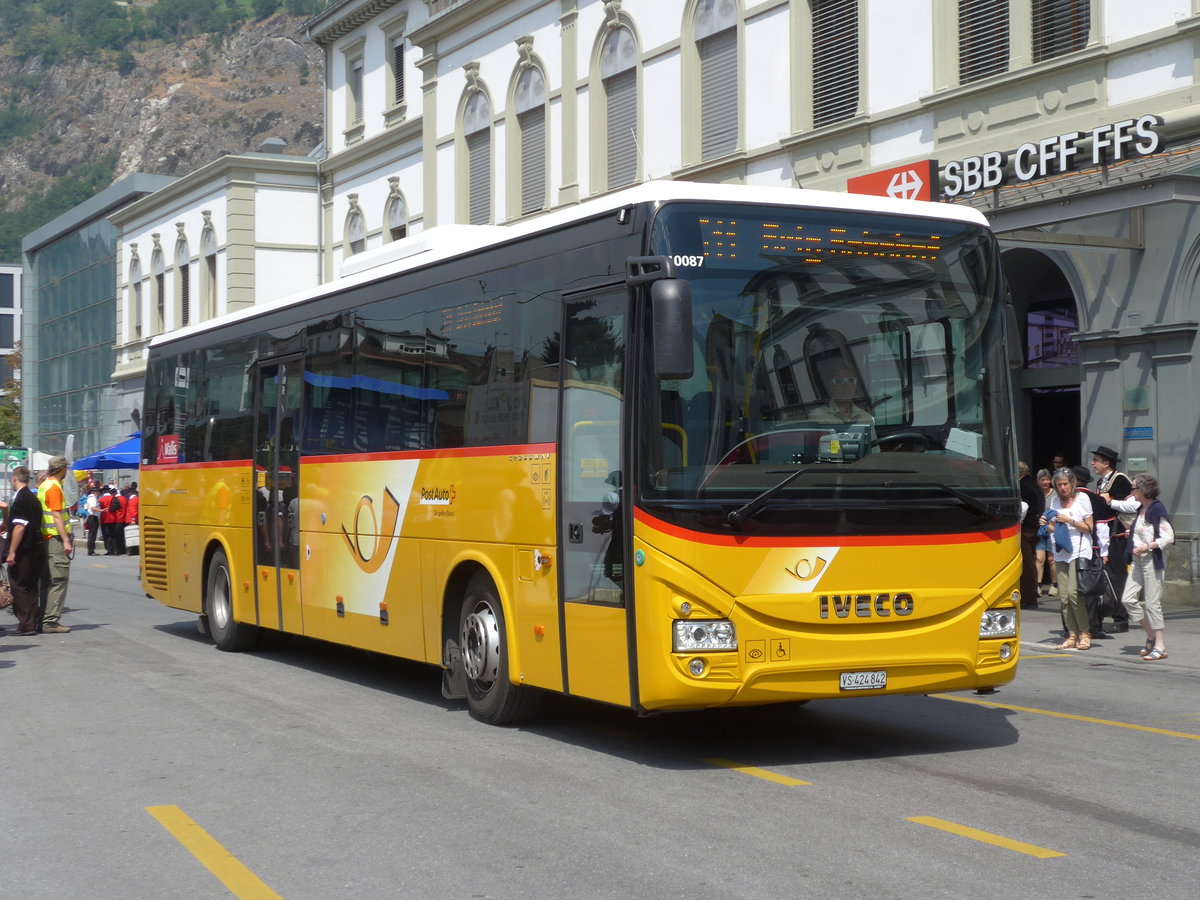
x,y
1068,517
1151,536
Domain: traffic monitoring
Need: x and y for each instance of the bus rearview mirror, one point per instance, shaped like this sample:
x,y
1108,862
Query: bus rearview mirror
x,y
671,300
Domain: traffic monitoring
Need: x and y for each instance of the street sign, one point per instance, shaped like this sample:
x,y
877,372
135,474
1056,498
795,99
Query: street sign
x,y
10,458
914,181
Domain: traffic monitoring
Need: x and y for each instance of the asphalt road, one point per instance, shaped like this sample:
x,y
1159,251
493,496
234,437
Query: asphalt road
x,y
144,763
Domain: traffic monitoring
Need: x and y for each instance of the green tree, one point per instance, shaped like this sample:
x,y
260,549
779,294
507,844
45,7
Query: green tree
x,y
10,400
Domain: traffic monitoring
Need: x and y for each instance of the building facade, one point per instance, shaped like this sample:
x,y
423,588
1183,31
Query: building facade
x,y
1073,124
239,231
69,304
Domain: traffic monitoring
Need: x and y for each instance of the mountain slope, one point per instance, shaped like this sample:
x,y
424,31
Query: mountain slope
x,y
70,129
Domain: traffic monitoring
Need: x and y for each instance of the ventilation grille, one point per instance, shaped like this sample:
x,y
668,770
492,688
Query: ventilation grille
x,y
153,551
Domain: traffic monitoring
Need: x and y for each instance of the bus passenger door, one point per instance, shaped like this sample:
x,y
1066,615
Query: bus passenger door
x,y
280,386
592,514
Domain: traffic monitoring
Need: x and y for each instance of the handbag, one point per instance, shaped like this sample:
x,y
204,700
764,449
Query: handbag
x,y
1089,573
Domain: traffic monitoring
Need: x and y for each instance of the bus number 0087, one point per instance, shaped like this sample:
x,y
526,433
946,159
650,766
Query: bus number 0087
x,y
688,261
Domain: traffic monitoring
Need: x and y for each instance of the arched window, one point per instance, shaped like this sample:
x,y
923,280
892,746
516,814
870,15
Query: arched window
x,y
135,294
183,281
159,269
530,105
716,36
619,78
477,132
208,290
395,214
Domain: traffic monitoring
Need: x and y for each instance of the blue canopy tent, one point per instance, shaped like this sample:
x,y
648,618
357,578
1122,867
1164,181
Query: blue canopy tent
x,y
125,455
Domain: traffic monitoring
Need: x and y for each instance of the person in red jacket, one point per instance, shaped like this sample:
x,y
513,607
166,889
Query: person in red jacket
x,y
106,519
131,510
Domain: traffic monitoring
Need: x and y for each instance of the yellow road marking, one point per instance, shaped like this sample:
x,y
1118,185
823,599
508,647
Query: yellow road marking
x,y
986,837
1062,715
240,881
757,772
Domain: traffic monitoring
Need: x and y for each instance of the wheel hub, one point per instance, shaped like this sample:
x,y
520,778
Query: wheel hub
x,y
481,644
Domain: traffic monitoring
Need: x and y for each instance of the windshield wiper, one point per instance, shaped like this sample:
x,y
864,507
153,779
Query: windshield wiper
x,y
748,510
987,510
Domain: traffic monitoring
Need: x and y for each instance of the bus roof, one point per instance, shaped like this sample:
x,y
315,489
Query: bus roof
x,y
448,241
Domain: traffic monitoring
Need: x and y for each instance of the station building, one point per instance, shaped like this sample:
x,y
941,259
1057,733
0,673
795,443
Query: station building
x,y
1073,124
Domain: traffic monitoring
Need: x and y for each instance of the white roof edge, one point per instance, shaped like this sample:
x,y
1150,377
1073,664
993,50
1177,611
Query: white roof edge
x,y
447,241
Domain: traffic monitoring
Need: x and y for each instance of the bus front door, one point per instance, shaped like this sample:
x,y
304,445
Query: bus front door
x,y
280,386
591,513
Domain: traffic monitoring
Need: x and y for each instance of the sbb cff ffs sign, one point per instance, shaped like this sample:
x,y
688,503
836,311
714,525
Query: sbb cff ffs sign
x,y
915,181
1054,155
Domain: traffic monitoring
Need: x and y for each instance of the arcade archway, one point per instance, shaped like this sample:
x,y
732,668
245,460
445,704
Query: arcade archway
x,y
1047,386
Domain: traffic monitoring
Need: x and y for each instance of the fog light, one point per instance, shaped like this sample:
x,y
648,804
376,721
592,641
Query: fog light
x,y
703,634
997,623
1006,652
696,667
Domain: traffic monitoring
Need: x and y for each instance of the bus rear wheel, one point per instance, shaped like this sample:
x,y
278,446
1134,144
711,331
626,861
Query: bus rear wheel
x,y
483,642
227,633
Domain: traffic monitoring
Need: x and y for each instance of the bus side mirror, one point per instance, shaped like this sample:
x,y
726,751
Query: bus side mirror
x,y
671,301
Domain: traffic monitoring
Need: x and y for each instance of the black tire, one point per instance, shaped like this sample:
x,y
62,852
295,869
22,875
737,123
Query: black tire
x,y
227,633
483,642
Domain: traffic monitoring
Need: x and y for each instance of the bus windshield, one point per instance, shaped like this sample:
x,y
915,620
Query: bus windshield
x,y
849,376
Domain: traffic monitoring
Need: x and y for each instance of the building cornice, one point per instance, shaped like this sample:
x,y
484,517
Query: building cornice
x,y
217,172
448,16
342,18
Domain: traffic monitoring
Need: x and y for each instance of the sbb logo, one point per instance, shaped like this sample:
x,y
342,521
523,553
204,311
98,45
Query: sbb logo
x,y
974,173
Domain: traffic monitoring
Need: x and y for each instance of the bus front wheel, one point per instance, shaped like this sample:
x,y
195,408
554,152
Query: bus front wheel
x,y
483,642
227,633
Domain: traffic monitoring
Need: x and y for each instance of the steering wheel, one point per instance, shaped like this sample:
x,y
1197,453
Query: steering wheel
x,y
904,437
741,451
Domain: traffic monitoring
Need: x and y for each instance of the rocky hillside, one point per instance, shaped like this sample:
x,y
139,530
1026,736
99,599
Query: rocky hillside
x,y
169,110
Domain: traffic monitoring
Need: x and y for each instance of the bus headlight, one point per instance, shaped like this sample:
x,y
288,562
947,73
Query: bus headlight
x,y
998,623
703,634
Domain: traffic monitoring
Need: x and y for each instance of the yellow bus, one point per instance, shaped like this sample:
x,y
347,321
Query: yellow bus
x,y
682,446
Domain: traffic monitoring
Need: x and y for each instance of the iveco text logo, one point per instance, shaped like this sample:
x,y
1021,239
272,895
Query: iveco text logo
x,y
866,605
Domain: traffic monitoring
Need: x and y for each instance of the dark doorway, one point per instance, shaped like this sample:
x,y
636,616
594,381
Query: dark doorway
x,y
1048,417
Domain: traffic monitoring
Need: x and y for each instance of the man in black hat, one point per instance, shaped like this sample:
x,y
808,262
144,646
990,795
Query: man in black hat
x,y
1114,485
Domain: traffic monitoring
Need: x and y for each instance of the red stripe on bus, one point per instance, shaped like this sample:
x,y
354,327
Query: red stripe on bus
x,y
454,453
222,464
842,540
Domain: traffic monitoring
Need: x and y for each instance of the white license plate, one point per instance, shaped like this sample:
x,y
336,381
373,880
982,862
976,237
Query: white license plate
x,y
863,681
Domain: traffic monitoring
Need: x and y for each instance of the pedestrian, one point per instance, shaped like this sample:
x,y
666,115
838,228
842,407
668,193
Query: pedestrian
x,y
91,522
1032,498
56,535
24,551
118,508
1046,573
1069,518
1115,485
1151,534
131,509
1102,515
106,519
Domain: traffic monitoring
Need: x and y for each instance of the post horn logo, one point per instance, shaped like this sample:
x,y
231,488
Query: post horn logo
x,y
378,538
807,569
